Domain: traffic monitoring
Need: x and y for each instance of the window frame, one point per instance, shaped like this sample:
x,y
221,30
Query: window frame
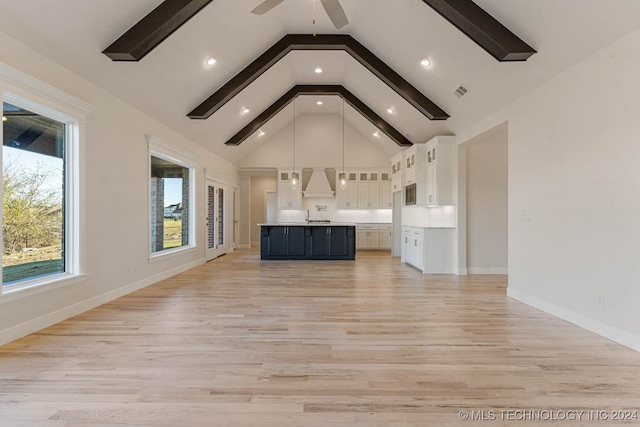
x,y
166,151
24,91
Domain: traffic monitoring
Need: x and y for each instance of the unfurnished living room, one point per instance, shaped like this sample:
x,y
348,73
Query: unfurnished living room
x,y
320,213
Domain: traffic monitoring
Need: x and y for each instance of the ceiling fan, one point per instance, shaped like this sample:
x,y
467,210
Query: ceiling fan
x,y
332,7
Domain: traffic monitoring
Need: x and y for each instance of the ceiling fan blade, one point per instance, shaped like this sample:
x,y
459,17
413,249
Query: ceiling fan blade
x,y
335,12
266,6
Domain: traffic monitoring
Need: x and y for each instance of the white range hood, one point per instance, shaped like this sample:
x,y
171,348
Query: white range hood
x,y
318,186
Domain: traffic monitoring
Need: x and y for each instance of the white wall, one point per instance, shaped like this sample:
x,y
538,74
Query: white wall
x,y
574,185
318,144
116,156
487,202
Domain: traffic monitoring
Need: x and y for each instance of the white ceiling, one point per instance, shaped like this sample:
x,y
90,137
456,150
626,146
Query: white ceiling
x,y
173,79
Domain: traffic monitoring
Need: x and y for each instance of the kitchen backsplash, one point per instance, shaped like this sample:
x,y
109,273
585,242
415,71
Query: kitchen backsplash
x,y
325,209
419,216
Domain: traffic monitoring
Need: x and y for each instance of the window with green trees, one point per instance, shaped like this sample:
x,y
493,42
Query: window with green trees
x,y
33,198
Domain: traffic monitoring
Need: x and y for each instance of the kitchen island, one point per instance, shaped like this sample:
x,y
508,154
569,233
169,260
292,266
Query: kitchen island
x,y
304,241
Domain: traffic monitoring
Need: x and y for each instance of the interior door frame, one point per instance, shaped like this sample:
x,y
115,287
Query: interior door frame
x,y
236,218
219,183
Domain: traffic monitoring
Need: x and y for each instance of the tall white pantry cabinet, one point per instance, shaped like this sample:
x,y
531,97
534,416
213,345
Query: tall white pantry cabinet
x,y
431,167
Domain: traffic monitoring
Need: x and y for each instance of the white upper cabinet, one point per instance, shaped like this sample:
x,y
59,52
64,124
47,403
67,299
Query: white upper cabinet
x,y
365,190
397,172
441,169
427,170
288,197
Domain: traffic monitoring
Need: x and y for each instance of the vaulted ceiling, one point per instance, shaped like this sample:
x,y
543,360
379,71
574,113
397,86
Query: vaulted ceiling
x,y
171,82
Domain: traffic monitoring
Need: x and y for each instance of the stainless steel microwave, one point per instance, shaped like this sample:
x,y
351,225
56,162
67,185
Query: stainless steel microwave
x,y
410,194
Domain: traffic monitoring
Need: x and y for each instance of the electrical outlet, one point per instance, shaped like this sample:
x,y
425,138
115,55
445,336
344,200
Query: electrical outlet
x,y
601,300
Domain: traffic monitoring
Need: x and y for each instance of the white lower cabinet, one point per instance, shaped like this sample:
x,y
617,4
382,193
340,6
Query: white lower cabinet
x,y
412,246
373,236
385,231
430,250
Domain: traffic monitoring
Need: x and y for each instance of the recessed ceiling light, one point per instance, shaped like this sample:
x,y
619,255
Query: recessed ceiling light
x,y
425,62
210,62
318,70
319,102
376,134
245,110
390,110
261,133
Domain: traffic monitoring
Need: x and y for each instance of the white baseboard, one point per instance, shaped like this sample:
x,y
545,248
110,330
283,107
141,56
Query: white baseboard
x,y
615,334
487,270
39,323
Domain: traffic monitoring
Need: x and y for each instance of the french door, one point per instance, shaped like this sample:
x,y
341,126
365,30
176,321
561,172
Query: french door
x,y
215,228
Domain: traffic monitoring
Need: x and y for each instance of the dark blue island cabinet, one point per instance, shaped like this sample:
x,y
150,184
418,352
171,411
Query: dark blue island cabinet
x,y
307,242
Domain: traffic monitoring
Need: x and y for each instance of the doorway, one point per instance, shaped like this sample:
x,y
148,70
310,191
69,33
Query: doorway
x,y
215,219
271,200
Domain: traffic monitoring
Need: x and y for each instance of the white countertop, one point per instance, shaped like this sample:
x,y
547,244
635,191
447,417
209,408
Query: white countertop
x,y
304,224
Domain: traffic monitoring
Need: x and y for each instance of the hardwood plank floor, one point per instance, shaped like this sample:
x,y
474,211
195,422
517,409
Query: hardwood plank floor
x,y
240,342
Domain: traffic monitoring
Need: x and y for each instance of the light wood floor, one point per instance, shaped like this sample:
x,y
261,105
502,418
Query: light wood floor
x,y
239,342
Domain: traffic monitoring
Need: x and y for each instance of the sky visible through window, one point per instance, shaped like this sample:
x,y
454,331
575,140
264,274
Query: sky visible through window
x,y
172,191
28,160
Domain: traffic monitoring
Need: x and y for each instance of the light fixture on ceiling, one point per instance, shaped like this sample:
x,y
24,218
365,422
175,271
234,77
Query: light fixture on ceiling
x,y
342,177
211,62
294,175
425,62
261,133
376,134
245,110
390,110
319,103
318,70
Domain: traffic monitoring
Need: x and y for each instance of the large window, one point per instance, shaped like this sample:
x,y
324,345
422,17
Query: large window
x,y
33,188
171,183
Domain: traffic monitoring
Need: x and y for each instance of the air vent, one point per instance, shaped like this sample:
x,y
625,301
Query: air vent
x,y
461,91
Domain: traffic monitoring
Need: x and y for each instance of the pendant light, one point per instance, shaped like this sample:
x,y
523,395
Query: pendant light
x,y
295,178
342,178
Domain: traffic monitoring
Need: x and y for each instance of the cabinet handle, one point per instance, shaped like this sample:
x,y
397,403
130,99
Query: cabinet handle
x,y
406,240
415,243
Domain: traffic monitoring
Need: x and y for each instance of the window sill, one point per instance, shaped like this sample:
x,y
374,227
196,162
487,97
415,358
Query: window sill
x,y
33,287
170,253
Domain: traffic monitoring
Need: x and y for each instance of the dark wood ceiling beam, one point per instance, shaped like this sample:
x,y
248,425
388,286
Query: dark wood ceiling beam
x,y
483,29
320,42
151,30
338,90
